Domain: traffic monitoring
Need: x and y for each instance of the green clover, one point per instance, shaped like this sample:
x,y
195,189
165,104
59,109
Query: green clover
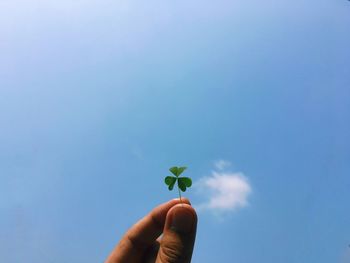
x,y
182,182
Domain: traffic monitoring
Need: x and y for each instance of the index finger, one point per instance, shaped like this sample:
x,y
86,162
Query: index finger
x,y
142,235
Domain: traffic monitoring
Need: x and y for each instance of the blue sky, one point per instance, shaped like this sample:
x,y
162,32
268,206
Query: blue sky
x,y
99,98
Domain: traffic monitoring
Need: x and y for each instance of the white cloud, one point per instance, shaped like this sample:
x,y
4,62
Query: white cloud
x,y
225,191
222,164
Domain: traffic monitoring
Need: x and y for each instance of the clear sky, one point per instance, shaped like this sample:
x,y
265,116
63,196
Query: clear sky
x,y
98,98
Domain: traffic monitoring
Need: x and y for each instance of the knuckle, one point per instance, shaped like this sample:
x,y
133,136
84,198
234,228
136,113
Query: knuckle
x,y
172,252
135,242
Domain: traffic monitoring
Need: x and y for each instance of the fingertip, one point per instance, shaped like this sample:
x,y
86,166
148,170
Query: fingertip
x,y
179,234
182,200
183,206
182,218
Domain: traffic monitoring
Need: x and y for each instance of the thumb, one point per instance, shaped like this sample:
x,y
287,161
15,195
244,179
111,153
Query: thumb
x,y
179,234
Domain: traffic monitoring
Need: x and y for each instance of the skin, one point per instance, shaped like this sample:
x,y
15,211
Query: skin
x,y
165,235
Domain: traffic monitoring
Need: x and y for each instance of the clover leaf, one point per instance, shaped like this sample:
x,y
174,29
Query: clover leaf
x,y
182,182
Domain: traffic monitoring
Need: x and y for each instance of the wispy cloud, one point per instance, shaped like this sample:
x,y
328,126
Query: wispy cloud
x,y
222,164
224,190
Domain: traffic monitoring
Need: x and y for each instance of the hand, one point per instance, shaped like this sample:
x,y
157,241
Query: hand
x,y
142,243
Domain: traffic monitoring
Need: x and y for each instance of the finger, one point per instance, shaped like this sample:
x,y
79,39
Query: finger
x,y
176,245
151,254
142,235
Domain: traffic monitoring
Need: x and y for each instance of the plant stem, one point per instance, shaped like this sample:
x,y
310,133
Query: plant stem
x,y
178,188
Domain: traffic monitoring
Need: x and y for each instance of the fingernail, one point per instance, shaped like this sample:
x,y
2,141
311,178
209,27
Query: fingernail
x,y
183,200
182,220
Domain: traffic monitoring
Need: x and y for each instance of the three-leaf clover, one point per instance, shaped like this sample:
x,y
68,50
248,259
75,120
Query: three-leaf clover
x,y
182,182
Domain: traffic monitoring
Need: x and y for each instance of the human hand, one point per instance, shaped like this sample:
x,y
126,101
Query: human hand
x,y
165,235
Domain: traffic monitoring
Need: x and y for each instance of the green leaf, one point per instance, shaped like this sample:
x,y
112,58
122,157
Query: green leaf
x,y
186,181
181,185
171,186
174,170
180,170
170,181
